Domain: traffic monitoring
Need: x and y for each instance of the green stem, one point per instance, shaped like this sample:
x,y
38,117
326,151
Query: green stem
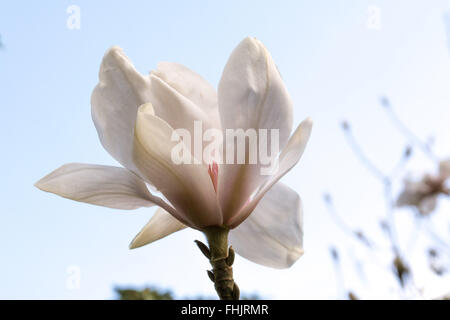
x,y
221,259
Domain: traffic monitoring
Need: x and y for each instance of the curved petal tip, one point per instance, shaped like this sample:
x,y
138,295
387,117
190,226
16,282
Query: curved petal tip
x,y
308,122
147,108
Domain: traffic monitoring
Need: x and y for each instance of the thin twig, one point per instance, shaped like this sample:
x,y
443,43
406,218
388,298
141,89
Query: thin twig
x,y
423,146
357,150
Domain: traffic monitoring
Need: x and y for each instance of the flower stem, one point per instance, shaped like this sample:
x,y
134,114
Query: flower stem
x,y
221,258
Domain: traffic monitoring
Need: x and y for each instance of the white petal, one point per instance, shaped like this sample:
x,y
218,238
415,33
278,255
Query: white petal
x,y
181,96
178,111
251,95
190,85
273,234
294,149
106,186
289,157
188,187
160,225
115,100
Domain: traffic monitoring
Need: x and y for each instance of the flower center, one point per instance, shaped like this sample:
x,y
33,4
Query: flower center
x,y
213,171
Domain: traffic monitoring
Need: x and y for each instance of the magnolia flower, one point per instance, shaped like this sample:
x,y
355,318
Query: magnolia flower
x,y
136,115
423,194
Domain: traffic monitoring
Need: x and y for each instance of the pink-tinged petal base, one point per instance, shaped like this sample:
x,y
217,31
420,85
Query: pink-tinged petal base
x,y
213,171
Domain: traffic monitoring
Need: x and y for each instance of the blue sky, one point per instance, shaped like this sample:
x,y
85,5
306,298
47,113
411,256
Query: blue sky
x,y
334,67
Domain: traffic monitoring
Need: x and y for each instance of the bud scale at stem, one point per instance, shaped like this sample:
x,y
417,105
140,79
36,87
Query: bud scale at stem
x,y
221,258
